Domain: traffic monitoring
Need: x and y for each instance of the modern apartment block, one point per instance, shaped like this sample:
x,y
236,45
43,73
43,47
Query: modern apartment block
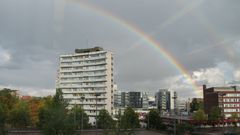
x,y
145,100
165,100
131,99
226,98
117,99
86,79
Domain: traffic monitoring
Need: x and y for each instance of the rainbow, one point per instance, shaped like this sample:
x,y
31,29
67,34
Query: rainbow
x,y
144,37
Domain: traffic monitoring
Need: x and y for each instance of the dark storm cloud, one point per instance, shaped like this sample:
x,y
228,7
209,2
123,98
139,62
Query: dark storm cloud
x,y
199,34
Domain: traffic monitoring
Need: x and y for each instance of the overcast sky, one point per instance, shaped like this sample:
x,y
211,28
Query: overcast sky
x,y
203,36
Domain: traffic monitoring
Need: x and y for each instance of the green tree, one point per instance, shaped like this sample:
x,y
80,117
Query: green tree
x,y
45,104
117,129
215,114
19,116
2,120
199,115
153,119
104,120
196,105
8,99
54,118
129,119
78,115
234,118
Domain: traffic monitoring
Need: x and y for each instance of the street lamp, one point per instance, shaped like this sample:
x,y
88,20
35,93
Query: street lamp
x,y
96,94
75,113
82,99
148,119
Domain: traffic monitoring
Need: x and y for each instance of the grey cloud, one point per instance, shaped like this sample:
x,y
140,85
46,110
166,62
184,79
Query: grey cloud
x,y
35,33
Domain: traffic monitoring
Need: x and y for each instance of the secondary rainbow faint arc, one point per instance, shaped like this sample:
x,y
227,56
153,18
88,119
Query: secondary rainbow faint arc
x,y
149,40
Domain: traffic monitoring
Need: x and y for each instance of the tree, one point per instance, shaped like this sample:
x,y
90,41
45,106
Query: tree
x,y
34,107
19,116
78,113
104,120
54,118
45,104
8,99
199,115
196,105
234,117
129,120
215,114
2,120
117,129
153,119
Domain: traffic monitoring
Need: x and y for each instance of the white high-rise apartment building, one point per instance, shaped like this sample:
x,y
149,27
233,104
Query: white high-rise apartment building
x,y
86,80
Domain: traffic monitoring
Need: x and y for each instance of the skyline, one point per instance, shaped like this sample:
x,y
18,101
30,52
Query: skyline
x,y
202,36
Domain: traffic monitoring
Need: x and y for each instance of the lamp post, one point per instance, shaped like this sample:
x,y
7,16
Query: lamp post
x,y
82,99
96,94
75,113
148,119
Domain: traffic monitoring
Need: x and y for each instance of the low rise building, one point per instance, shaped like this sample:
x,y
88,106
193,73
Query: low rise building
x,y
226,98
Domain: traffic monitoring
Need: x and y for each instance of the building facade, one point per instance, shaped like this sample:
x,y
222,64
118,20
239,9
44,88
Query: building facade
x,y
145,100
86,79
117,99
165,100
226,98
134,99
131,99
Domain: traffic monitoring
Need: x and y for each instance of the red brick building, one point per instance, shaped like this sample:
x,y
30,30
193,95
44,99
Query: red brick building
x,y
226,98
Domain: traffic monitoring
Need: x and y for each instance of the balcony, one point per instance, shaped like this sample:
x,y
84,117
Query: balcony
x,y
66,60
93,86
89,58
82,75
82,86
87,64
89,69
65,65
83,80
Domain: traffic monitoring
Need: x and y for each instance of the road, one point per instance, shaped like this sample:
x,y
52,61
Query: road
x,y
87,132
